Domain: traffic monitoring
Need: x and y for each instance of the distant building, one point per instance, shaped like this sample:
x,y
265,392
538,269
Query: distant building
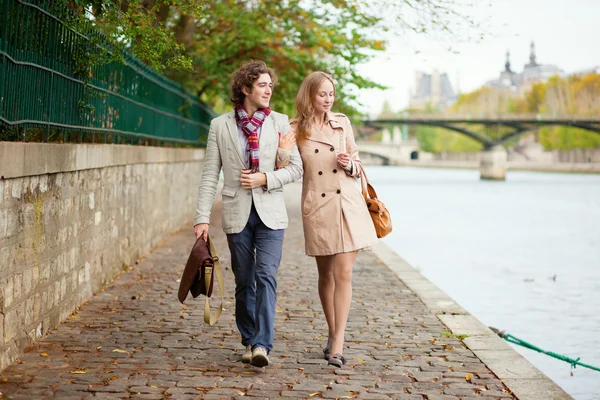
x,y
532,73
432,90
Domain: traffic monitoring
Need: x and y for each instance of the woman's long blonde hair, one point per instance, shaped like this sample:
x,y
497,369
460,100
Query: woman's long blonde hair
x,y
305,111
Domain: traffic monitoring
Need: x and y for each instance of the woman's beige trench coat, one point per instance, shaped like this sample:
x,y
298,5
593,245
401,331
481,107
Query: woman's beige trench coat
x,y
334,212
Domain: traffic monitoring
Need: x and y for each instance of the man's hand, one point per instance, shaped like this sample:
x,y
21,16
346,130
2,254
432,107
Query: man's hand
x,y
344,160
288,141
251,181
201,230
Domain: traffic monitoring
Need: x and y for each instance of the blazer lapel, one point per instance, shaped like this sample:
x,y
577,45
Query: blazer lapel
x,y
267,132
233,132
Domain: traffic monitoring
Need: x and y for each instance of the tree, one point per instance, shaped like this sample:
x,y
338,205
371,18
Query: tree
x,y
143,27
199,43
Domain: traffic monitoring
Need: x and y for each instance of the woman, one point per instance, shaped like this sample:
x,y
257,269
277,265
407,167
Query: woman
x,y
334,214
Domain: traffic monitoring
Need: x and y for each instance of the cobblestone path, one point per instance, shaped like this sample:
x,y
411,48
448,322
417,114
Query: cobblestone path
x,y
134,340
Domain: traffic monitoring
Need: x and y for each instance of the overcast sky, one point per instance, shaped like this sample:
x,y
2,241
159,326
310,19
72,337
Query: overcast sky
x,y
566,33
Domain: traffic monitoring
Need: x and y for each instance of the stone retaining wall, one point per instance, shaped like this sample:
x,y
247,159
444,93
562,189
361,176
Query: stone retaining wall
x,y
72,217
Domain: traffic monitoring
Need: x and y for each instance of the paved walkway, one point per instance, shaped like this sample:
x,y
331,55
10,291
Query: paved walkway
x,y
134,340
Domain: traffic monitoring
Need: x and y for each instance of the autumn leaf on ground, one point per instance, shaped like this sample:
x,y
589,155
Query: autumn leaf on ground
x,y
119,351
314,394
468,377
44,354
79,371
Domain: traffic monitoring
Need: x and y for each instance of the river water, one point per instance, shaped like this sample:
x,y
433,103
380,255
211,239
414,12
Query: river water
x,y
521,255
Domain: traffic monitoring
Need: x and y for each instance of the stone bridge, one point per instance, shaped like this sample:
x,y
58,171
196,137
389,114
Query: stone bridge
x,y
397,150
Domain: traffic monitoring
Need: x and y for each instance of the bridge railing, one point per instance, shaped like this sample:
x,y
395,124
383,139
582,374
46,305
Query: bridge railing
x,y
458,117
48,93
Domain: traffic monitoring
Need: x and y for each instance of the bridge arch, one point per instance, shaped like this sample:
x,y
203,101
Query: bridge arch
x,y
385,160
519,126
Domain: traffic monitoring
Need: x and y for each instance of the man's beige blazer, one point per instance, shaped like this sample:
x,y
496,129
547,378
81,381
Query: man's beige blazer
x,y
223,151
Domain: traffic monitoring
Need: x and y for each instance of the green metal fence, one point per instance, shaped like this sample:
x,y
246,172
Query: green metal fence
x,y
47,90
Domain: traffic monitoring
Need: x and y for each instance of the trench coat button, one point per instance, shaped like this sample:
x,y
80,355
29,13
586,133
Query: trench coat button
x,y
331,149
316,150
335,171
322,194
320,172
339,191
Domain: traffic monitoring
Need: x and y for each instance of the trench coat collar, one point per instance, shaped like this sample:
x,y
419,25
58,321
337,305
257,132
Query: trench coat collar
x,y
318,136
265,131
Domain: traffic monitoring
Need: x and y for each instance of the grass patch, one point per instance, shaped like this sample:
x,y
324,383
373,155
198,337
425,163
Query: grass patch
x,y
459,336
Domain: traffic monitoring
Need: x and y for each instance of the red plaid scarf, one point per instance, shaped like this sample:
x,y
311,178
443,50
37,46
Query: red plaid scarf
x,y
250,128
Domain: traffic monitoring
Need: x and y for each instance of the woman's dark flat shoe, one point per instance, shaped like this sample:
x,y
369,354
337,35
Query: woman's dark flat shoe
x,y
326,352
337,360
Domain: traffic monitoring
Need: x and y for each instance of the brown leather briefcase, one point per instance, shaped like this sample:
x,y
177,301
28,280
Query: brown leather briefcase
x,y
199,276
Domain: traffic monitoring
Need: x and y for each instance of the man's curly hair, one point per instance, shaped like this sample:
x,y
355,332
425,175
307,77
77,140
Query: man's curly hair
x,y
245,76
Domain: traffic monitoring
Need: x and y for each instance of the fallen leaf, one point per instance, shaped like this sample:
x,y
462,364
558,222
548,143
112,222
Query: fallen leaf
x,y
119,351
44,354
114,378
468,377
21,362
241,393
248,372
314,394
79,371
154,387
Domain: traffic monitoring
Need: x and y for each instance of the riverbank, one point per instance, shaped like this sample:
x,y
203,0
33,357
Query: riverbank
x,y
592,168
134,339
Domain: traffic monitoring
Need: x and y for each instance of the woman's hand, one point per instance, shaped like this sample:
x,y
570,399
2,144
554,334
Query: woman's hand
x,y
286,142
343,160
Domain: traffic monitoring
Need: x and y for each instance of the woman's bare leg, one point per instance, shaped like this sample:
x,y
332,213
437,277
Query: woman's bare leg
x,y
342,297
325,266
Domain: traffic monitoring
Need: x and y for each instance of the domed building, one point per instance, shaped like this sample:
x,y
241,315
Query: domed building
x,y
532,73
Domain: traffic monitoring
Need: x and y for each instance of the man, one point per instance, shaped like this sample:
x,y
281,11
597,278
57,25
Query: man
x,y
244,143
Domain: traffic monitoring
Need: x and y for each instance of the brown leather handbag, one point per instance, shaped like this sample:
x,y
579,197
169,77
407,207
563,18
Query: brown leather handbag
x,y
199,276
379,213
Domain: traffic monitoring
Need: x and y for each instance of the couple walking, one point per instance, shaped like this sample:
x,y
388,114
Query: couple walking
x,y
259,152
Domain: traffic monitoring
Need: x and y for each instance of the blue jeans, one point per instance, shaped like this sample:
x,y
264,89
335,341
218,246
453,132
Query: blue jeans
x,y
255,258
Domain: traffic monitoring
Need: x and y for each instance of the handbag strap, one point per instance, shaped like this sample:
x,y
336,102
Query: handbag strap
x,y
218,271
368,191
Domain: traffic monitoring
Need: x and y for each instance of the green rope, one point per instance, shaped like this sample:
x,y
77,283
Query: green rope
x,y
511,339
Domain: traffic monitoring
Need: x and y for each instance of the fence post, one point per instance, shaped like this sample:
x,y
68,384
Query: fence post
x,y
53,51
3,49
